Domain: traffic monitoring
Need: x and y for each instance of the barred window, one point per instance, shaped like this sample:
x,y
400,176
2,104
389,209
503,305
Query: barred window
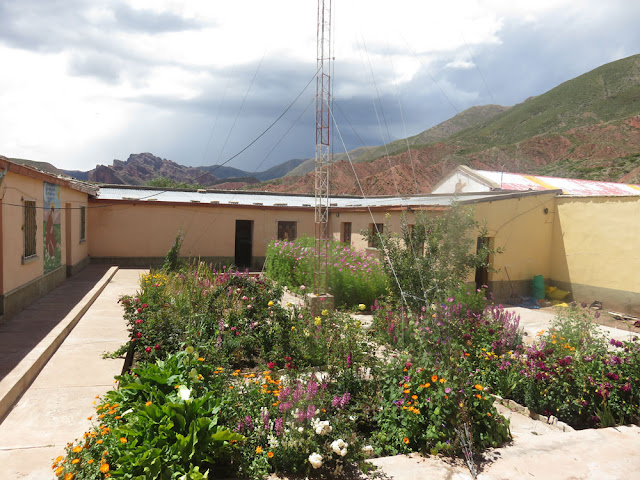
x,y
83,223
29,228
375,234
345,235
287,231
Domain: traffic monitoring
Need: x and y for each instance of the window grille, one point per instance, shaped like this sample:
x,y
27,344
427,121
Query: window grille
x,y
29,228
83,223
287,231
346,233
375,234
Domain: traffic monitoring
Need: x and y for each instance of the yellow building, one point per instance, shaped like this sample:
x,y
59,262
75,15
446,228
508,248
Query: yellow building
x,y
43,233
584,243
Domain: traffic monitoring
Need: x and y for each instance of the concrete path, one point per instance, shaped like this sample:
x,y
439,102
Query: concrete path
x,y
533,321
54,409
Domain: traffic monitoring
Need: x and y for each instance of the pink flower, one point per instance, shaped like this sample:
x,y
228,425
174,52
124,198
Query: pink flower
x,y
271,365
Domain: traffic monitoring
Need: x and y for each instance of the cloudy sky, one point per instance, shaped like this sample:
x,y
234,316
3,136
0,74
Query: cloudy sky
x,y
83,82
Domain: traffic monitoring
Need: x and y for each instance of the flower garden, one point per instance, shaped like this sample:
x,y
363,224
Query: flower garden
x,y
228,382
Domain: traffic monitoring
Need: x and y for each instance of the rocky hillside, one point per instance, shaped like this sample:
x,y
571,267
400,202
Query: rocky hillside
x,y
588,127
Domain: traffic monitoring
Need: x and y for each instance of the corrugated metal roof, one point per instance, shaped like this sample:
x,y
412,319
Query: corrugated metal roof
x,y
276,200
569,186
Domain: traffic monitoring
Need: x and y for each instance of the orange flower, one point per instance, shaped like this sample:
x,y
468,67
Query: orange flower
x,y
77,449
104,468
90,461
479,397
89,418
123,440
59,459
478,387
406,440
200,359
434,378
406,390
68,476
99,442
270,454
148,403
75,460
415,397
59,471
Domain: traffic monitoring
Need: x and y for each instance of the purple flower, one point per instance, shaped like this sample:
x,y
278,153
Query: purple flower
x,y
278,426
345,399
447,390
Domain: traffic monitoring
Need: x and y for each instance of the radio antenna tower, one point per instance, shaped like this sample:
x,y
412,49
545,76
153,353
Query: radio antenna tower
x,y
323,122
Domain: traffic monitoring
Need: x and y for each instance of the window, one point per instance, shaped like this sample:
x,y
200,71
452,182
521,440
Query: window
x,y
287,231
29,228
345,233
418,246
83,223
375,231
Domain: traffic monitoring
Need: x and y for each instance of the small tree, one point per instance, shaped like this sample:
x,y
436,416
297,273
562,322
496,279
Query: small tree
x,y
427,262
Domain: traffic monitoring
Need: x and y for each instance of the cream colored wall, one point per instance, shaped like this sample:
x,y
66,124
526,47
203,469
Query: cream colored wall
x,y
597,242
79,249
17,188
361,221
148,230
524,231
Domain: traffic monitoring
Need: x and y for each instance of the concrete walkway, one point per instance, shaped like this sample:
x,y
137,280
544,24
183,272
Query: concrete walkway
x,y
54,409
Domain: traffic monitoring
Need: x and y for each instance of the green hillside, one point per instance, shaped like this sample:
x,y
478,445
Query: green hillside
x,y
609,92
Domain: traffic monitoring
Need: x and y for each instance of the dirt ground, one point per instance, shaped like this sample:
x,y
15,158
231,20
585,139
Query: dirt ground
x,y
606,319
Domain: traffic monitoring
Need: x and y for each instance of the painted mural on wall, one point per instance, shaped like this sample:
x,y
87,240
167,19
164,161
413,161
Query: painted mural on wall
x,y
52,234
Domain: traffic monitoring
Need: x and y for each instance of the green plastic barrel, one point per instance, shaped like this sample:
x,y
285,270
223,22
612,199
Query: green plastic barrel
x,y
538,287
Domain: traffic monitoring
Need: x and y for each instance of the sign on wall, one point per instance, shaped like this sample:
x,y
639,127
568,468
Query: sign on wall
x,y
52,234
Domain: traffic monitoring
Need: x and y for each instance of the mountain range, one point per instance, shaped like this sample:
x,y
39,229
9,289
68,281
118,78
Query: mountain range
x,y
587,127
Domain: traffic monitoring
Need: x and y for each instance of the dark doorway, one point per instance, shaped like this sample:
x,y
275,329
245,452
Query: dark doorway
x,y
244,243
482,273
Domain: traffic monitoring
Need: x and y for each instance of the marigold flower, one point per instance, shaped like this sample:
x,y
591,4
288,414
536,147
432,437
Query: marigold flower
x,y
258,450
415,397
434,378
99,442
77,449
90,461
75,460
200,359
149,403
59,459
59,471
104,468
270,454
123,440
478,387
406,440
406,391
68,476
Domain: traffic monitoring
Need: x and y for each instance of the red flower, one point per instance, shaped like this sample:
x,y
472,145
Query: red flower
x,y
144,305
138,335
157,347
271,365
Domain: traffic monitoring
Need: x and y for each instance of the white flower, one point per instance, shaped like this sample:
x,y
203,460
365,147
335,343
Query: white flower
x,y
301,429
184,393
367,450
316,460
339,447
273,441
321,427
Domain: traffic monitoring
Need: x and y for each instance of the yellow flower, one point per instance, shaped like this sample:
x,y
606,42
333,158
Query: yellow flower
x,y
361,307
258,450
442,380
406,440
270,303
318,321
293,328
59,471
325,312
104,468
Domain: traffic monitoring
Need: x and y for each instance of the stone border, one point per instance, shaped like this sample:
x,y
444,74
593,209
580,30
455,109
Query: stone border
x,y
18,380
550,420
